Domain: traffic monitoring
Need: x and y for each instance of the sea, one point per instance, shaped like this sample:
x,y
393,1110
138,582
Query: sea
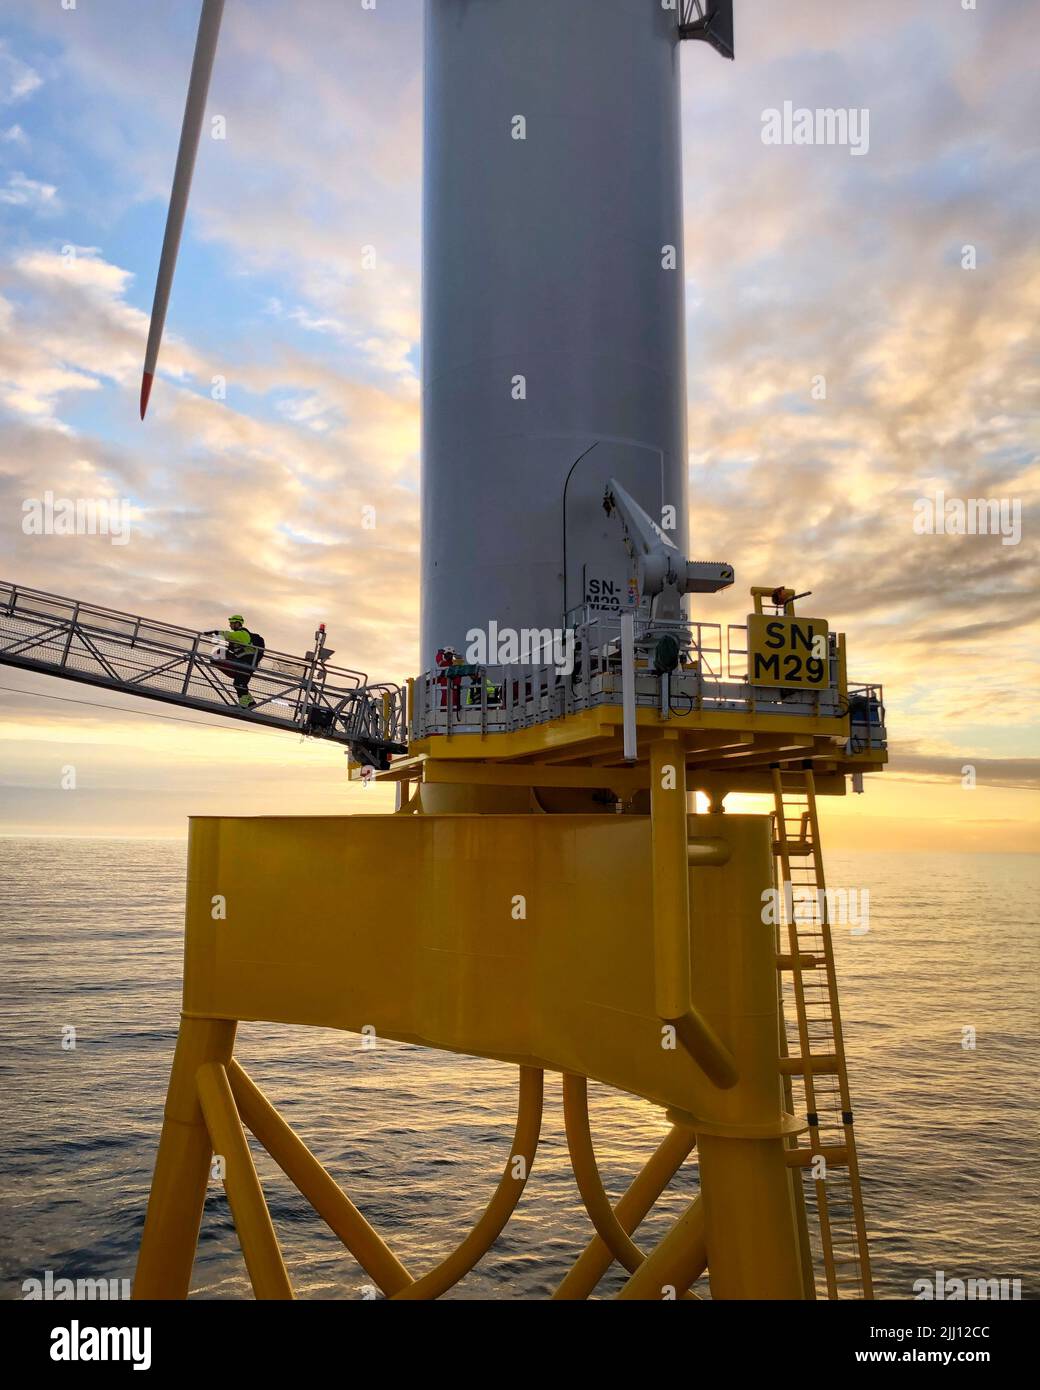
x,y
939,1002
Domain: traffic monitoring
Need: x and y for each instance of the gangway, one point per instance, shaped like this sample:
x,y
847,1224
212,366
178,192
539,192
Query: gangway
x,y
103,647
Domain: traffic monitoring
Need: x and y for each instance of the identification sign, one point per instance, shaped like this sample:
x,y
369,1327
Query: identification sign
x,y
610,593
788,651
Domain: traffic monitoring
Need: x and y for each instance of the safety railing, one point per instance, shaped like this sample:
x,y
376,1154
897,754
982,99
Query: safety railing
x,y
467,699
139,656
866,719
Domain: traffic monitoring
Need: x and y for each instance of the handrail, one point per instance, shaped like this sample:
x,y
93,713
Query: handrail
x,y
535,694
155,660
156,635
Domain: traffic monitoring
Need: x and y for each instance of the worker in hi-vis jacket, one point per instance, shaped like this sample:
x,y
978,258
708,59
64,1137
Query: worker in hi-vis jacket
x,y
241,658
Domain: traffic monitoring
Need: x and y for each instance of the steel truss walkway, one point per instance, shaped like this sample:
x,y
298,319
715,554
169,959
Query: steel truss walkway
x,y
102,647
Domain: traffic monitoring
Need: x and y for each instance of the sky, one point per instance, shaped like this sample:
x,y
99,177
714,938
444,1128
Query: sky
x,y
902,280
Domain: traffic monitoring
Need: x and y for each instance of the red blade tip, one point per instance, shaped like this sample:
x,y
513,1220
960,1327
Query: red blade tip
x,y
146,391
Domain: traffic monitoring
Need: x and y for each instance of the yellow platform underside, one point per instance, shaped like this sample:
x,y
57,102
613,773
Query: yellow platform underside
x,y
723,751
522,937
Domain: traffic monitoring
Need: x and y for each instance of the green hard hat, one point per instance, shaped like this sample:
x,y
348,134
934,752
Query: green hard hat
x,y
236,618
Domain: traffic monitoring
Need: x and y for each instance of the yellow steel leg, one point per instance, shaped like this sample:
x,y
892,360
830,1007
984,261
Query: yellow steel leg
x,y
301,1167
751,1225
649,1183
676,1263
671,909
252,1219
178,1194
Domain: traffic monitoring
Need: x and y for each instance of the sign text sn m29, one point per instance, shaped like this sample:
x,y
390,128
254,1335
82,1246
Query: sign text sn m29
x,y
788,651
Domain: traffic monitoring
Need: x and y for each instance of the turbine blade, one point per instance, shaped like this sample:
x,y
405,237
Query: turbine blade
x,y
191,129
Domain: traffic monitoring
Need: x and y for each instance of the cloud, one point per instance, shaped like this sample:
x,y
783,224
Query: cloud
x,y
17,79
804,269
228,505
21,191
1020,773
64,328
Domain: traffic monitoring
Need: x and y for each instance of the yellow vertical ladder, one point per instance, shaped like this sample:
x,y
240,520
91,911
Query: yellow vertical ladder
x,y
812,1061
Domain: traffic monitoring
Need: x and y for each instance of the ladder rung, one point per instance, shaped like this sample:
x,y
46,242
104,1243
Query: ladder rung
x,y
802,1157
797,849
787,962
795,1066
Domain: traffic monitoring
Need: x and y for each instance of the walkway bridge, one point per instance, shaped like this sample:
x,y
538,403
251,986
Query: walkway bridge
x,y
112,650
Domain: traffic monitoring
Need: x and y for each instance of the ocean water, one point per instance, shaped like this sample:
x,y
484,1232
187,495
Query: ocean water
x,y
90,939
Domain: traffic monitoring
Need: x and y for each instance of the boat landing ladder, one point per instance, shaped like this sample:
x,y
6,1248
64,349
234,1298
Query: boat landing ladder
x,y
812,1060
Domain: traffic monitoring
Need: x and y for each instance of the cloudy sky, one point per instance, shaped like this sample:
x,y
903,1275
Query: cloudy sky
x,y
803,262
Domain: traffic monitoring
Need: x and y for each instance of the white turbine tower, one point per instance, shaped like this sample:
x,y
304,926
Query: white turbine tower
x,y
553,295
